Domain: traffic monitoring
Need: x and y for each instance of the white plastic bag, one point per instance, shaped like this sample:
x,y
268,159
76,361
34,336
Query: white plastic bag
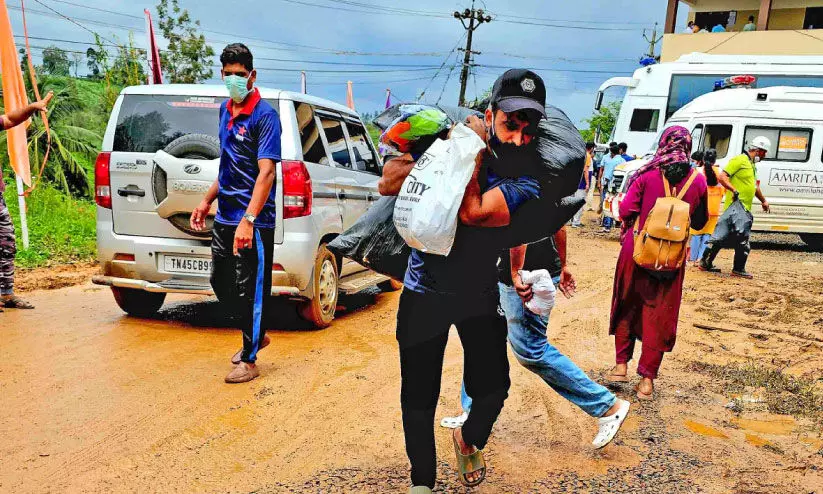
x,y
425,213
543,289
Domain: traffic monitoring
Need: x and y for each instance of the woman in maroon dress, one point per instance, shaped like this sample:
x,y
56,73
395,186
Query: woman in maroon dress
x,y
646,305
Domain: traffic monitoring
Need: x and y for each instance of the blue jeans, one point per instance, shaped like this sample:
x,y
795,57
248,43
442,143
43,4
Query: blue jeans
x,y
699,244
527,337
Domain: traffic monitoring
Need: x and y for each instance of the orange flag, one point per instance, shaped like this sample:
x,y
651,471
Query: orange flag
x,y
14,97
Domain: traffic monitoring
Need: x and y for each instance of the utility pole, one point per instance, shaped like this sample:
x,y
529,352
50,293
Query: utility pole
x,y
473,15
652,42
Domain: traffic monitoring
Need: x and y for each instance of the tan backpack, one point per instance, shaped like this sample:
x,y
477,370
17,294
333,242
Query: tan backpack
x,y
663,243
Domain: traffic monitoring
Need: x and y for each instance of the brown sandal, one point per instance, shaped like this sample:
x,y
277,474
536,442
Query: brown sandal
x,y
644,396
617,378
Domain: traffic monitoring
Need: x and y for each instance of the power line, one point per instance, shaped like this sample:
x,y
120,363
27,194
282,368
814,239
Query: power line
x,y
113,12
445,61
370,9
70,20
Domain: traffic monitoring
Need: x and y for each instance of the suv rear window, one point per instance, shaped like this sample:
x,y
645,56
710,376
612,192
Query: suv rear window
x,y
148,123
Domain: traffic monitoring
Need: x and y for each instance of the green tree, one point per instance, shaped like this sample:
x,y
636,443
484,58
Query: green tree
x,y
188,58
605,119
128,68
93,63
56,61
76,135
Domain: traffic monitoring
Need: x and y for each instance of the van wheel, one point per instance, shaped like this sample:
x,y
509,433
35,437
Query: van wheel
x,y
320,309
390,285
813,240
138,303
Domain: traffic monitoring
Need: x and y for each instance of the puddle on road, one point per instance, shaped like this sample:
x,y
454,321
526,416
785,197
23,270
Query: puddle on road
x,y
756,441
778,425
704,430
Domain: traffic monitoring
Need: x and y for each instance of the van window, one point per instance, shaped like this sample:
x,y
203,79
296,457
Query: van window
x,y
686,87
788,144
644,120
333,128
712,136
313,149
364,157
717,137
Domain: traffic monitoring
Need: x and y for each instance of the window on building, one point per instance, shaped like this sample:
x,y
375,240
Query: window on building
x,y
644,120
788,144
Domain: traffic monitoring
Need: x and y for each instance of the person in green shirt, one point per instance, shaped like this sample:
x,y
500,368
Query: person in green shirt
x,y
739,177
751,25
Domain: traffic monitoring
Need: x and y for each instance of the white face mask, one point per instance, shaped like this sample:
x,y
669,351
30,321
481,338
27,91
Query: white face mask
x,y
757,159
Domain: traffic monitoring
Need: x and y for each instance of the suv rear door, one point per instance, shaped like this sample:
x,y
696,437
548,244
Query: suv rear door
x,y
154,193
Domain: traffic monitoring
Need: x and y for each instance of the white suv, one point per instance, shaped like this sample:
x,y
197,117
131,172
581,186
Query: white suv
x,y
161,153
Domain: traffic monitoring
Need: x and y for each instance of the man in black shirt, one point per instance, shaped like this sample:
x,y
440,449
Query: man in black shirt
x,y
527,336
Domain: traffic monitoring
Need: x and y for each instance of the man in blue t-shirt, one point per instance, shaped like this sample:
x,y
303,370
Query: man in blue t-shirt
x,y
243,235
461,289
624,148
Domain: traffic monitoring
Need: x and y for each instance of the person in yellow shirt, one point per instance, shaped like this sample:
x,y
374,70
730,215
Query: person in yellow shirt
x,y
739,178
700,238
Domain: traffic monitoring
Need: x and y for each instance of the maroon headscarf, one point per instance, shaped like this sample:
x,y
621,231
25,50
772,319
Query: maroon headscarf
x,y
675,146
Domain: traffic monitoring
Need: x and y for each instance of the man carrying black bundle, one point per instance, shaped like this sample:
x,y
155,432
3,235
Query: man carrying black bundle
x,y
461,288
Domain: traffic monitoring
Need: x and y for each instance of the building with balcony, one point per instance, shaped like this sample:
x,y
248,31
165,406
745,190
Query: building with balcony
x,y
782,27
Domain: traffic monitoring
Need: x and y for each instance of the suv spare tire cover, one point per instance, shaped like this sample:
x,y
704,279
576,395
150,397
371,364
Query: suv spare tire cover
x,y
194,146
200,147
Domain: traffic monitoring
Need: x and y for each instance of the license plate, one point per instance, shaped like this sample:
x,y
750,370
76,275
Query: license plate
x,y
189,265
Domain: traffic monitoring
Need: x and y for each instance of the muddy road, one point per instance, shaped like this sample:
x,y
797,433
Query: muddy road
x,y
94,401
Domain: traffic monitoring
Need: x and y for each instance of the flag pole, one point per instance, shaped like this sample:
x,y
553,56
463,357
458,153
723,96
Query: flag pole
x,y
303,88
21,201
149,50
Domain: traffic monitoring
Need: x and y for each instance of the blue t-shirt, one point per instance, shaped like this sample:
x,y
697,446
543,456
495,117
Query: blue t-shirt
x,y
718,29
609,164
470,269
626,157
254,134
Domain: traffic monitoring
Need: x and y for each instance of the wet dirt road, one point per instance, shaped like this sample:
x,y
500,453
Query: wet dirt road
x,y
94,401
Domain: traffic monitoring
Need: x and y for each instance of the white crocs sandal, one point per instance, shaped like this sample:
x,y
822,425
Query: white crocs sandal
x,y
610,425
454,422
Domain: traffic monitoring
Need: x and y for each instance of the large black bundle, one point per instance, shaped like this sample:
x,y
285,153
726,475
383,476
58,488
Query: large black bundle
x,y
732,226
373,241
559,155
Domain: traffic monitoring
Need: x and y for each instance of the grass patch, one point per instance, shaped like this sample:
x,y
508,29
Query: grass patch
x,y
61,229
785,394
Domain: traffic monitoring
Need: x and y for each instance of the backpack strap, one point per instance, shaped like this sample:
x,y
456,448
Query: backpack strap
x,y
666,186
688,184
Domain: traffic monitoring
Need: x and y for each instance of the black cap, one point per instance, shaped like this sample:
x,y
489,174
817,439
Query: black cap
x,y
519,89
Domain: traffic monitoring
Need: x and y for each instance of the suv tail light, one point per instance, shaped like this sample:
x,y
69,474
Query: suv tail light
x,y
297,193
102,180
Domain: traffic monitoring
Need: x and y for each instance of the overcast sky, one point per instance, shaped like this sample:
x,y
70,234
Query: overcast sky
x,y
579,45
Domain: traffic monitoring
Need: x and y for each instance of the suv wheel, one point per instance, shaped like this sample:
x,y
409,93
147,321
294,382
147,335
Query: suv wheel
x,y
320,309
138,303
